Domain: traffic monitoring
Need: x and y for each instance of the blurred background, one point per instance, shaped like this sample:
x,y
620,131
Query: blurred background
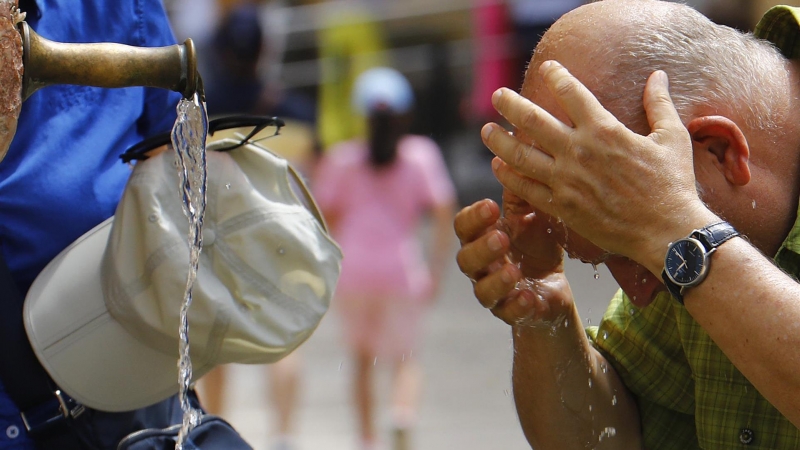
x,y
298,60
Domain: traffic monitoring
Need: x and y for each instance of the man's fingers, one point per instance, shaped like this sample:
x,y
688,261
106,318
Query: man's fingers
x,y
521,307
664,120
475,257
549,133
498,285
535,193
473,220
574,98
524,158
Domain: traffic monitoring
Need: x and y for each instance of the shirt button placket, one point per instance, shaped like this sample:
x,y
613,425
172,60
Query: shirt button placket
x,y
746,436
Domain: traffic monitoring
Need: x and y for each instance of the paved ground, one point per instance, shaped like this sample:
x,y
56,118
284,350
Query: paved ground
x,y
467,402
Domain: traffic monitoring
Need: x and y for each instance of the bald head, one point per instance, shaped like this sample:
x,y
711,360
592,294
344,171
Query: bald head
x,y
741,85
614,45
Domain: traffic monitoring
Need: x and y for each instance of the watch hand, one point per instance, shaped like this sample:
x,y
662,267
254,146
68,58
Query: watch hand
x,y
683,264
679,255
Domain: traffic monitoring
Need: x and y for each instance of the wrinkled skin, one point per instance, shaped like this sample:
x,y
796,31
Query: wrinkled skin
x,y
10,72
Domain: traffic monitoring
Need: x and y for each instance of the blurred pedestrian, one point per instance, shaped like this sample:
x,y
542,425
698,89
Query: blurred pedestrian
x,y
374,193
233,77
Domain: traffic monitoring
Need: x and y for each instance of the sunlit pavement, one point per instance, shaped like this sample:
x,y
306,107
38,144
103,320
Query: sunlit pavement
x,y
467,402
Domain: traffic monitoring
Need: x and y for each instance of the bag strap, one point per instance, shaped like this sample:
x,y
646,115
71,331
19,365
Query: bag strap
x,y
43,407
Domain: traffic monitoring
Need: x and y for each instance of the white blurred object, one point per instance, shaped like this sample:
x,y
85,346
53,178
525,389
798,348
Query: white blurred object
x,y
195,19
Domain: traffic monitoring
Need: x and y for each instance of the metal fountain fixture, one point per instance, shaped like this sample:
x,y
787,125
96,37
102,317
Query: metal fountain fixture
x,y
107,65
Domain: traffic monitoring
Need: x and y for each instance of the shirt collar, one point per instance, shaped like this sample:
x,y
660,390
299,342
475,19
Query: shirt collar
x,y
781,26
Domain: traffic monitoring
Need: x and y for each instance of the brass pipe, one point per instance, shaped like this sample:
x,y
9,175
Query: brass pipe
x,y
108,65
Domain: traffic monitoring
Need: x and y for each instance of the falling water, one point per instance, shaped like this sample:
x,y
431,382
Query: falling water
x,y
189,140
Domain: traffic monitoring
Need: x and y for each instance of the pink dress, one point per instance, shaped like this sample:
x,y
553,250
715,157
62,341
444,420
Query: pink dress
x,y
385,281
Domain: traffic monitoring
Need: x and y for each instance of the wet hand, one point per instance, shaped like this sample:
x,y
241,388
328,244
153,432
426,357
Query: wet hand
x,y
536,238
533,291
627,193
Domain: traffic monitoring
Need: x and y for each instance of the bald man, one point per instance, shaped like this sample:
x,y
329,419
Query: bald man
x,y
714,365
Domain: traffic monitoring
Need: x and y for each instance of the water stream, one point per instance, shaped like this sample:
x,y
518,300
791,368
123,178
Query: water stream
x,y
189,140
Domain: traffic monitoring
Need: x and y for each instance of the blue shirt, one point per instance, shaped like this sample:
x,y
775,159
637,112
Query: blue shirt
x,y
62,174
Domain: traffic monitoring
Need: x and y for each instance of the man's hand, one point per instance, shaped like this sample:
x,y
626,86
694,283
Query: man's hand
x,y
515,262
627,193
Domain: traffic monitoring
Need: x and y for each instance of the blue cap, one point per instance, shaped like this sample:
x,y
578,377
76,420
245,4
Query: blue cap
x,y
382,88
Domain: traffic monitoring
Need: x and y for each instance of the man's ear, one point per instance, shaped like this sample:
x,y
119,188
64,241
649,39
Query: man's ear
x,y
719,140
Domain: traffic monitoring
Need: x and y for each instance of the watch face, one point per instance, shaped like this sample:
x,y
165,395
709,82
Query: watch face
x,y
685,262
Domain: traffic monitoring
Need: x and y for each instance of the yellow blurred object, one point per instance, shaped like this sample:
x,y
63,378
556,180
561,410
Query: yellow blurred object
x,y
349,43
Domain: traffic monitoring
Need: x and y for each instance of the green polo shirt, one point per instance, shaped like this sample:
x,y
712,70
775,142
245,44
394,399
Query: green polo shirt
x,y
690,395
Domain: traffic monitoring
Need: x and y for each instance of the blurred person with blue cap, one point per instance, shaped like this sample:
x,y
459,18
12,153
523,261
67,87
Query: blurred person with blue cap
x,y
375,193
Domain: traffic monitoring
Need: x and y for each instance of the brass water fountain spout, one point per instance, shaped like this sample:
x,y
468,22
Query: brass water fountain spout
x,y
108,65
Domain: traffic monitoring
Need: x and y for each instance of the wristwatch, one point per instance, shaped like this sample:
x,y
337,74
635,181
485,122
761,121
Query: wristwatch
x,y
687,261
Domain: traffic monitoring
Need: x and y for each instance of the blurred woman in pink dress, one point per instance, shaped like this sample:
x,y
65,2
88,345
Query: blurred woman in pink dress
x,y
375,194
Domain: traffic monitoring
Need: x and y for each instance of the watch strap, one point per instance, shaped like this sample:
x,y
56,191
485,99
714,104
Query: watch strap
x,y
673,288
715,235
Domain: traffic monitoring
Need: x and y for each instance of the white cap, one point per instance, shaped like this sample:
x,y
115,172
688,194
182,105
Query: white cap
x,y
382,87
103,316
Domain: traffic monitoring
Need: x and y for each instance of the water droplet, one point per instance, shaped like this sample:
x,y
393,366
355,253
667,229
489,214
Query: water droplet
x,y
633,311
549,230
375,361
614,401
590,383
403,358
227,185
596,273
588,320
604,367
281,251
607,432
590,408
634,298
605,334
644,280
340,365
566,323
754,204
153,218
506,392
